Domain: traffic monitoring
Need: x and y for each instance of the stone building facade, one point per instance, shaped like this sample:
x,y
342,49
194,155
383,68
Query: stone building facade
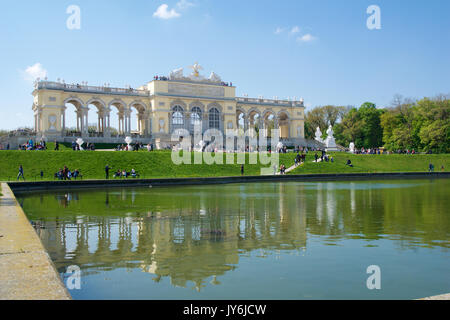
x,y
161,106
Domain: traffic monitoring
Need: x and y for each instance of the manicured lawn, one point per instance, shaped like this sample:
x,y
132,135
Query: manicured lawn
x,y
374,163
92,164
159,164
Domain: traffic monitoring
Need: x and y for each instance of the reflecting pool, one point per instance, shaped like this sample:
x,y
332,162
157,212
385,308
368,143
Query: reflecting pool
x,y
291,240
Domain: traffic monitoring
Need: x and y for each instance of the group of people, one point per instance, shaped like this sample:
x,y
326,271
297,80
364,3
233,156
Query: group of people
x,y
67,174
30,145
324,157
121,173
125,174
299,158
76,146
164,78
160,78
135,147
368,151
431,168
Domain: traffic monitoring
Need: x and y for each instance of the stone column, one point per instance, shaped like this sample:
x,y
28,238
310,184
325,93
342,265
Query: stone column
x,y
289,127
276,125
63,127
127,122
262,125
120,116
107,131
85,122
246,123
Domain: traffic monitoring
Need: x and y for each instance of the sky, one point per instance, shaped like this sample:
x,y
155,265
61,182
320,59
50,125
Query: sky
x,y
322,51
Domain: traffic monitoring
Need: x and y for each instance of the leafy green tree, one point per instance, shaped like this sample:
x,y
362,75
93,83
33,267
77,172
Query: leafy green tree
x,y
434,117
316,118
350,129
309,130
372,133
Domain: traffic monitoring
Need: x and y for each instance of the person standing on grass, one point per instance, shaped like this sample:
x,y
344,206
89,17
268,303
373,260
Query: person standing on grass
x,y
242,170
107,172
20,173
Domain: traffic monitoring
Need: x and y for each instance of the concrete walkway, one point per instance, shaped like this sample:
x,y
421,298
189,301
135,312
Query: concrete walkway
x,y
441,297
26,271
291,168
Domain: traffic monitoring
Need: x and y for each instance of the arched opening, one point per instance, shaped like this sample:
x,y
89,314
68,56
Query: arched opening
x,y
74,120
138,119
269,124
195,118
177,118
117,126
240,121
98,118
214,119
254,119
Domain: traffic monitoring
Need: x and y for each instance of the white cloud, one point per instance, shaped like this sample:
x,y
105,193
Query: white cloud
x,y
184,4
306,38
35,71
295,30
163,13
279,30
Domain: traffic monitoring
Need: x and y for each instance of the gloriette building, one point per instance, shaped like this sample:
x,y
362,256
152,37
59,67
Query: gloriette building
x,y
161,106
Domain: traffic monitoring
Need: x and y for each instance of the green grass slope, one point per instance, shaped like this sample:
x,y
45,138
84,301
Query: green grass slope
x,y
374,163
92,164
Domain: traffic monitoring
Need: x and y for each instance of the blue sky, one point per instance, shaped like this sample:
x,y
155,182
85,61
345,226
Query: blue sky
x,y
319,50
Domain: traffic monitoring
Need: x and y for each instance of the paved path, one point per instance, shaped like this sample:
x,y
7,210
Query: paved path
x,y
291,168
26,271
441,297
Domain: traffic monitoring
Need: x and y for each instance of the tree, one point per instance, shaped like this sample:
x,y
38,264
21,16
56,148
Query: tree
x,y
350,129
316,118
434,119
371,127
332,114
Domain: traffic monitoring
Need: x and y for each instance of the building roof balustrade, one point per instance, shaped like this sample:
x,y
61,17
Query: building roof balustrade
x,y
90,89
270,102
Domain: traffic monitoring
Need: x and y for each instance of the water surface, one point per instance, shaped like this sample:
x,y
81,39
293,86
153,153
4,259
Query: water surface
x,y
291,240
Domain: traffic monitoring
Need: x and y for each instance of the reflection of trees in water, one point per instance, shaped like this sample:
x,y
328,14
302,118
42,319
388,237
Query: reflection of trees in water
x,y
191,234
413,216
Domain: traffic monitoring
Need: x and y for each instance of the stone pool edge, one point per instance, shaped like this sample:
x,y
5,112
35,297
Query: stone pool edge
x,y
165,182
26,270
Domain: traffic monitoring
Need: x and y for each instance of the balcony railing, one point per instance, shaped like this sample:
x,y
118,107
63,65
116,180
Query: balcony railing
x,y
270,101
91,89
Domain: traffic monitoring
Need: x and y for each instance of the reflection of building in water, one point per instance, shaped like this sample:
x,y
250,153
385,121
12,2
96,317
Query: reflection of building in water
x,y
331,203
352,198
184,245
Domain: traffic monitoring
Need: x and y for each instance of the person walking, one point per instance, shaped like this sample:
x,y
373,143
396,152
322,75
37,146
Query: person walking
x,y
20,173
